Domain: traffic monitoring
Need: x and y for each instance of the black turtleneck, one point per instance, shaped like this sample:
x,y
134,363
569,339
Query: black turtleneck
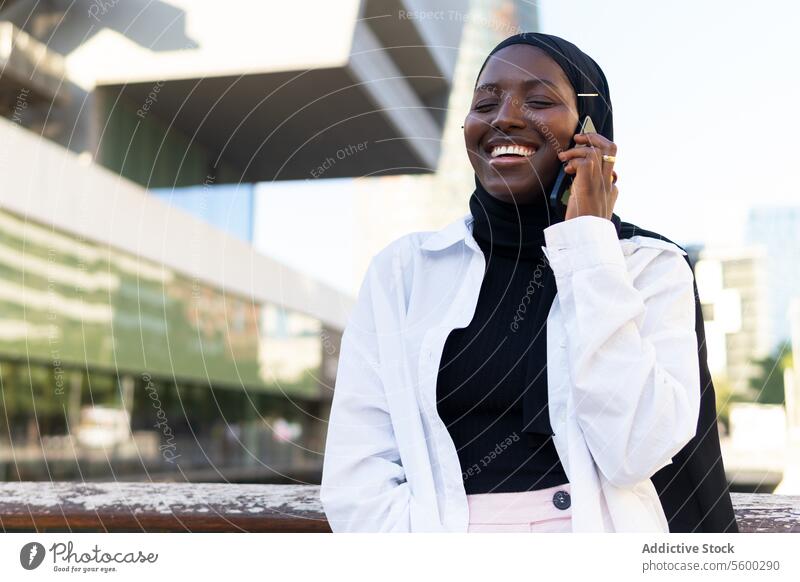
x,y
492,381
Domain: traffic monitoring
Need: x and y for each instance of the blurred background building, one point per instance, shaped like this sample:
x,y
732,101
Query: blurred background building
x,y
142,335
777,230
191,198
732,284
746,294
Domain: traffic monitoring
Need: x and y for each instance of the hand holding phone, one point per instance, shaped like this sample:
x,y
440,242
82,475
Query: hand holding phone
x,y
559,195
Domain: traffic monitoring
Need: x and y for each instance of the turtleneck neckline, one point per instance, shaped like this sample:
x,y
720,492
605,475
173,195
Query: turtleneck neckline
x,y
508,229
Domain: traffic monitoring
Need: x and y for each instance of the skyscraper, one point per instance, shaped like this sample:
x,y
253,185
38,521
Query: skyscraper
x,y
732,285
777,228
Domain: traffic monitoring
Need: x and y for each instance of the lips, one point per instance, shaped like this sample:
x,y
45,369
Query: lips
x,y
511,150
508,152
508,149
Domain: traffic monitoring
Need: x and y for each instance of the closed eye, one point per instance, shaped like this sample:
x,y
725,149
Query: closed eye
x,y
485,106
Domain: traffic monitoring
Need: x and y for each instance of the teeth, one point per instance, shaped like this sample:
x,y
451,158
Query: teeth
x,y
515,150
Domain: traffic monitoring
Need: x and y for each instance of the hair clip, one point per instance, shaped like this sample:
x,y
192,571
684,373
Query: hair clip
x,y
587,94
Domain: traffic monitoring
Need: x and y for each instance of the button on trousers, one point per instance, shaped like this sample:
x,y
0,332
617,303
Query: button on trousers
x,y
544,510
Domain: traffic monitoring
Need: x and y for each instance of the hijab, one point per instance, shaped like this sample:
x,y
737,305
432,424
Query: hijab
x,y
583,72
693,488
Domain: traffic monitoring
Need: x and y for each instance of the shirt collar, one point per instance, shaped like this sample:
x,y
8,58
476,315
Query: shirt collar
x,y
458,230
461,230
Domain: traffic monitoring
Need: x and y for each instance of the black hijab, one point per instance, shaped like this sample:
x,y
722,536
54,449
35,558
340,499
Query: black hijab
x,y
585,75
693,488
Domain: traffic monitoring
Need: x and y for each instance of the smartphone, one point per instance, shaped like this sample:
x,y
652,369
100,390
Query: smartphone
x,y
559,195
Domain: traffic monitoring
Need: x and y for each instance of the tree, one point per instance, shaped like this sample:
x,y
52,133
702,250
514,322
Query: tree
x,y
768,383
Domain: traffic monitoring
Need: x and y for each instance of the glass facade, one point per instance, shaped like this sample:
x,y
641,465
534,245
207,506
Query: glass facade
x,y
115,365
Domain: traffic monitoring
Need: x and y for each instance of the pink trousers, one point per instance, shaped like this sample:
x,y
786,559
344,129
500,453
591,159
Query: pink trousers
x,y
543,510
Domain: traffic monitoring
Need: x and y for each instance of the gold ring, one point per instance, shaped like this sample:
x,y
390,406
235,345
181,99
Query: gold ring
x,y
607,158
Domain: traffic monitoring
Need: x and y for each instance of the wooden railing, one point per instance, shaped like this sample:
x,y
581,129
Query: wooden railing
x,y
185,507
207,507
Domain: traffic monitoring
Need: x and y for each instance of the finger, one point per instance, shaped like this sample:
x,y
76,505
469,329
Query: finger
x,y
596,140
598,172
593,157
584,152
609,179
608,189
614,195
574,164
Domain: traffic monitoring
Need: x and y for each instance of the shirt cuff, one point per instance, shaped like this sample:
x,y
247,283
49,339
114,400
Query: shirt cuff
x,y
582,242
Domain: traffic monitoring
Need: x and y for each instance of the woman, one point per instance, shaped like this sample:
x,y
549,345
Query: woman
x,y
519,372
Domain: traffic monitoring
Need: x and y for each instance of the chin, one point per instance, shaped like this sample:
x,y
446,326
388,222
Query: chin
x,y
512,191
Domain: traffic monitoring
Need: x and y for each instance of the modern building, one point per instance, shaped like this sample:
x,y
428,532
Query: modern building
x,y
732,285
777,228
153,316
169,93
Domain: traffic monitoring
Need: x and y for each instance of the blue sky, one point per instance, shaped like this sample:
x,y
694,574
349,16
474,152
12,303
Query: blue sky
x,y
704,97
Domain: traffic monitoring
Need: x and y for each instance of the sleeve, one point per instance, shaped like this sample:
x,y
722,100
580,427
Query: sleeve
x,y
632,350
364,487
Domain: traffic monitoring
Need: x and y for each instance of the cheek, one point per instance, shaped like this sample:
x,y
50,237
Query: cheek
x,y
472,134
556,128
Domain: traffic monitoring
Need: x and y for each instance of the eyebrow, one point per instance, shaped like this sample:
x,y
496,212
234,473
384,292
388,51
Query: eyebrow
x,y
527,83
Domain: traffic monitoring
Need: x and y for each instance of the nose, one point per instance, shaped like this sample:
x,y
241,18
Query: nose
x,y
510,114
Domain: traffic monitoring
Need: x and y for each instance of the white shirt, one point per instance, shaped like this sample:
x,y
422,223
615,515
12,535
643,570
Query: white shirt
x,y
622,371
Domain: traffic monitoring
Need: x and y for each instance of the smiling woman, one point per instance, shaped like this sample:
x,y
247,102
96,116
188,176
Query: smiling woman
x,y
524,112
521,370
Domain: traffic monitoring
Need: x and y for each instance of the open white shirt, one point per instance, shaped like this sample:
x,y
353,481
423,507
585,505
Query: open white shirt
x,y
622,371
